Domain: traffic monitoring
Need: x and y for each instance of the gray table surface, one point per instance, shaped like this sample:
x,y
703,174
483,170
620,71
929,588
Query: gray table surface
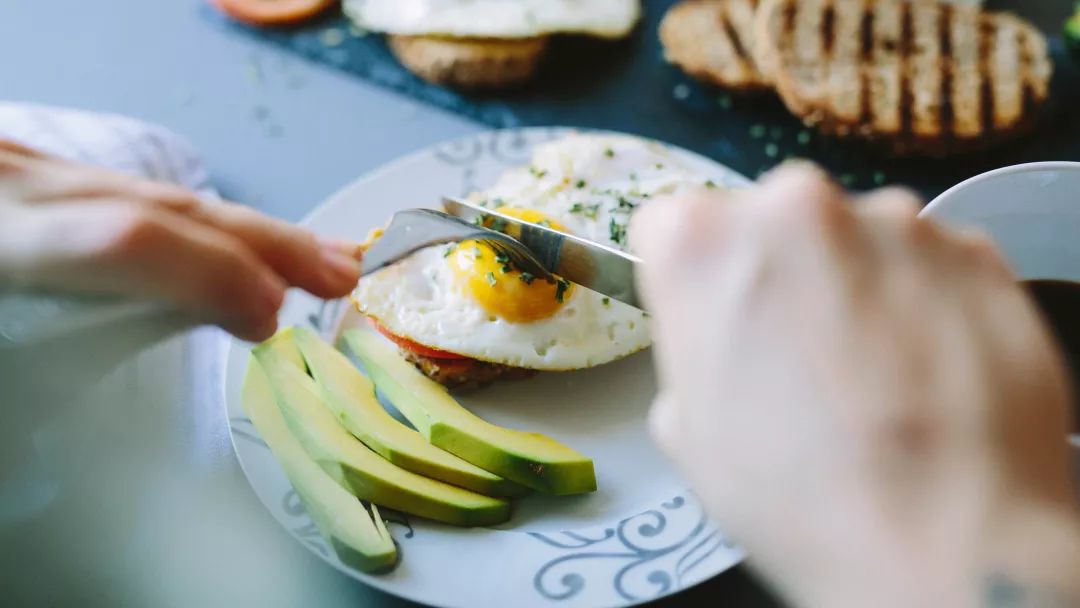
x,y
171,520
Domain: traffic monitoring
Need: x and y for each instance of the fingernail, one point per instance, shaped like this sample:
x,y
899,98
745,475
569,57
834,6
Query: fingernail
x,y
342,246
341,265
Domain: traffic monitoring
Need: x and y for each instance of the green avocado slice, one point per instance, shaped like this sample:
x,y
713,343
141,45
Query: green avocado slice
x,y
531,459
284,344
351,397
366,474
360,539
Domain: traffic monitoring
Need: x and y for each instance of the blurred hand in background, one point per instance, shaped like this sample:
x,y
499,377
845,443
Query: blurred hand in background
x,y
869,403
76,228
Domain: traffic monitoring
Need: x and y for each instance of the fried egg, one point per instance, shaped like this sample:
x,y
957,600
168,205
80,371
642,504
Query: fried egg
x,y
495,18
466,299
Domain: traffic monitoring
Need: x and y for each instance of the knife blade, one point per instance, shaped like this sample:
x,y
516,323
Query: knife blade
x,y
598,267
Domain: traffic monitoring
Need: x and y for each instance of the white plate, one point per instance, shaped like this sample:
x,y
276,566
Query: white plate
x,y
639,537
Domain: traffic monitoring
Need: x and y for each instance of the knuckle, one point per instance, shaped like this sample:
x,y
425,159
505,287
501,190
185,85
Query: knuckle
x,y
898,203
898,209
171,197
805,192
985,252
821,207
134,232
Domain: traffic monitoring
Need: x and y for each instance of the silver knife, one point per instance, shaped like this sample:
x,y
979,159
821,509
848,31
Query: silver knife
x,y
600,268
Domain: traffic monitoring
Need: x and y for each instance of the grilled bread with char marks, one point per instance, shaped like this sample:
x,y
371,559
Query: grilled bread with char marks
x,y
712,41
923,77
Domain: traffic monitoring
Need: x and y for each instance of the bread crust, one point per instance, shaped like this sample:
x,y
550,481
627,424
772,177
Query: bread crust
x,y
470,63
712,41
926,78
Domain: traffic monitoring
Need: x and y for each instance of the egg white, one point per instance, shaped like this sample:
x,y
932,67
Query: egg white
x,y
421,299
588,182
495,18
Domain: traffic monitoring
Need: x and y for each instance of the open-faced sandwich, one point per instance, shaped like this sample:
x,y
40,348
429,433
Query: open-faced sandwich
x,y
466,317
485,43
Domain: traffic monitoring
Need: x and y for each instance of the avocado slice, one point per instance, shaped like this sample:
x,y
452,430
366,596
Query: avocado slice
x,y
366,474
359,538
351,397
531,459
284,344
1072,32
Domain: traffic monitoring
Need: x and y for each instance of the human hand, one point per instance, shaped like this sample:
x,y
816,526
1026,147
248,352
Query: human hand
x,y
869,403
72,227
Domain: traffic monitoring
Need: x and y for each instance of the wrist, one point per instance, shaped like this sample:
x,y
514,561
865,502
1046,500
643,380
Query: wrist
x,y
1033,557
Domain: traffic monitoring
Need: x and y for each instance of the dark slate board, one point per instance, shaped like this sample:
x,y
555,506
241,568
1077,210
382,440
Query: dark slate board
x,y
627,86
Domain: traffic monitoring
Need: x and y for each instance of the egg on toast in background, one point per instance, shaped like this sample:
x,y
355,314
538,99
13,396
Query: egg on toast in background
x,y
485,44
463,307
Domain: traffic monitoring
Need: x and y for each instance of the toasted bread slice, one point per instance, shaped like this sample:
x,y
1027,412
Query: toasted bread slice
x,y
712,40
921,76
470,63
465,374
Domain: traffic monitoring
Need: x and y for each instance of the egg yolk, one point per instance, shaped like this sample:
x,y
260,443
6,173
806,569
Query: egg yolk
x,y
528,215
501,289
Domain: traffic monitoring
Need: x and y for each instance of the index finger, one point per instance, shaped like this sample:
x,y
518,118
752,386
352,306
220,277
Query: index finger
x,y
325,268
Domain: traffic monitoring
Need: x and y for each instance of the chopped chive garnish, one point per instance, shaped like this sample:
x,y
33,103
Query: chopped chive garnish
x,y
498,224
476,252
633,175
606,301
506,268
609,153
537,173
491,279
618,232
659,165
560,289
710,184
544,223
449,250
502,258
527,278
580,183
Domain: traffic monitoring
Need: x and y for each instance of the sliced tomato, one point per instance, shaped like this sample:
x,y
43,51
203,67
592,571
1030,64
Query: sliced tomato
x,y
273,12
415,347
